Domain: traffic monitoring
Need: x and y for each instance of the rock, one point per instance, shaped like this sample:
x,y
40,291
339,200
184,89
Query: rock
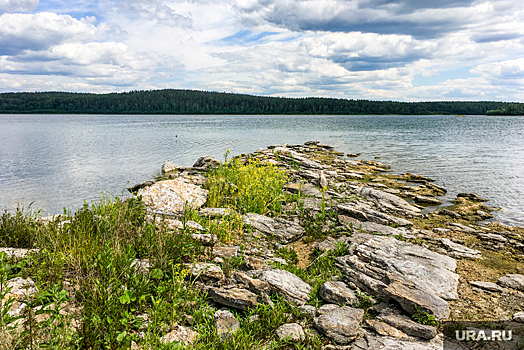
x,y
18,253
372,341
206,162
283,230
492,237
322,181
392,269
519,317
472,197
512,281
180,334
306,189
253,263
287,285
206,271
337,293
169,167
363,212
297,158
172,196
464,228
385,329
21,288
141,185
308,311
237,298
390,203
215,212
328,244
456,250
226,252
484,215
309,175
327,308
255,285
179,225
375,228
487,285
427,200
410,327
341,325
226,323
441,231
290,331
449,213
353,176
417,178
206,239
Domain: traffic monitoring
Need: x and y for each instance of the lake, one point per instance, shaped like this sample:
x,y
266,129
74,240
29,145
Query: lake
x,y
50,162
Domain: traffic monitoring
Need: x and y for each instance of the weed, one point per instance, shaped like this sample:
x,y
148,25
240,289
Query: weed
x,y
424,318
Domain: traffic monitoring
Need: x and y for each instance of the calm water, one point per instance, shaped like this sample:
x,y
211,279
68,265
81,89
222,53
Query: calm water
x,y
56,161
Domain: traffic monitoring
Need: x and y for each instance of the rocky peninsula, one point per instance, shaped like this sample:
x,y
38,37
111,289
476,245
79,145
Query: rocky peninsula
x,y
292,246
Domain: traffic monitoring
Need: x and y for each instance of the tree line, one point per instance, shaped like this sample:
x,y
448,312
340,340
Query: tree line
x,y
202,102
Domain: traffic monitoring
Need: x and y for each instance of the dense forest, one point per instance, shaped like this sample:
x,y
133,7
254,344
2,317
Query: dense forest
x,y
509,109
202,102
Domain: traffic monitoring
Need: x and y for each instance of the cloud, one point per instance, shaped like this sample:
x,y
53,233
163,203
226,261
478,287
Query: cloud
x,y
35,32
8,6
507,73
158,11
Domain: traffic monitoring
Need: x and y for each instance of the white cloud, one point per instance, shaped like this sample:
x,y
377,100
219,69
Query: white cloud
x,y
507,73
8,6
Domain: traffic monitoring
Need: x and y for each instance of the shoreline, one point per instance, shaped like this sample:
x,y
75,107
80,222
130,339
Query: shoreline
x,y
326,238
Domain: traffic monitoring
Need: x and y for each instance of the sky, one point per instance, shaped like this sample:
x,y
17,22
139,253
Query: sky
x,y
404,50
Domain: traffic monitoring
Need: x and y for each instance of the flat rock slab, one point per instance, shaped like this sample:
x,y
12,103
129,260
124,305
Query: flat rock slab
x,y
410,327
514,281
287,285
237,298
456,250
172,196
390,203
410,274
215,212
341,325
338,293
373,227
385,329
370,341
206,271
291,331
180,334
487,285
363,212
283,230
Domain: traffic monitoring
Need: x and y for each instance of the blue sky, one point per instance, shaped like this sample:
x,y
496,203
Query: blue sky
x,y
403,50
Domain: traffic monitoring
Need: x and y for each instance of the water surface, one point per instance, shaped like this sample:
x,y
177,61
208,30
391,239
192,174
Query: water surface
x,y
56,161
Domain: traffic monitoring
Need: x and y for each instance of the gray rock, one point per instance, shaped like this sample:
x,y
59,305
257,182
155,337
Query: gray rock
x,y
352,176
18,253
309,175
287,285
492,237
337,293
206,239
140,185
512,281
487,285
291,331
393,269
519,317
390,203
341,325
456,250
226,323
472,196
206,162
308,311
363,212
427,200
385,329
283,230
253,263
169,167
237,298
21,288
322,181
215,212
449,213
206,271
464,228
410,327
180,334
255,285
226,252
172,196
297,158
373,227
327,308
306,189
328,244
441,231
369,341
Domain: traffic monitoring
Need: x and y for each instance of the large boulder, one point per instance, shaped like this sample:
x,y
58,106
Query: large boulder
x,y
287,285
410,274
206,162
390,203
341,325
172,196
283,230
514,281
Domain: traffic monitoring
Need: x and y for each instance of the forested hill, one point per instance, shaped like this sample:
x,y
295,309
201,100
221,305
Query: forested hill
x,y
201,102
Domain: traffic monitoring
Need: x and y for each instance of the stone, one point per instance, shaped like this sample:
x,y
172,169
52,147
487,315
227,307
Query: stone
x,y
492,237
290,331
354,176
385,329
487,285
287,285
254,263
206,162
417,178
337,293
464,228
306,189
328,244
514,281
519,317
215,212
18,253
297,158
180,334
237,298
472,197
205,239
283,230
179,225
390,203
172,196
410,327
21,288
362,212
140,185
308,311
392,269
427,200
322,181
484,215
456,250
327,308
226,252
309,175
375,228
372,341
206,271
226,323
447,212
341,325
169,167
